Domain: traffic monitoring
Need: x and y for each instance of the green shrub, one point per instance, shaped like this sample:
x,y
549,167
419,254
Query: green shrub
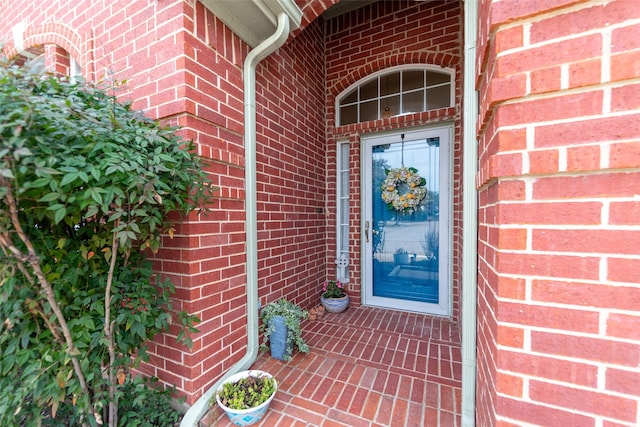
x,y
86,185
142,404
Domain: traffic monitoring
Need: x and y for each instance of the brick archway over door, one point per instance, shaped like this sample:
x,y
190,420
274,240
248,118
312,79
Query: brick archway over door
x,y
431,58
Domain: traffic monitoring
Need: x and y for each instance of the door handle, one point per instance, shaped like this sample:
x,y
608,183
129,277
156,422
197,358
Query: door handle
x,y
366,230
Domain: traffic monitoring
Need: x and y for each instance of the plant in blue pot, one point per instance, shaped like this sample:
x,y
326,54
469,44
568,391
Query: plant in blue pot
x,y
334,298
246,396
281,329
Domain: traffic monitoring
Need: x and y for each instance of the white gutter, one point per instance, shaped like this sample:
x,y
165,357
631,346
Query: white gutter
x,y
264,49
470,217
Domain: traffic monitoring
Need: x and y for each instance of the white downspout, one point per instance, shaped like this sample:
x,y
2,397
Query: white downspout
x,y
470,218
264,49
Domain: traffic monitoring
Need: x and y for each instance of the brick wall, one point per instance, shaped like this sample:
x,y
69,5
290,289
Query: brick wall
x,y
558,246
291,170
184,66
205,258
370,39
559,239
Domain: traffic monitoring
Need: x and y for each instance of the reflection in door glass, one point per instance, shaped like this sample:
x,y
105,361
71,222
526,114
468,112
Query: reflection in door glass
x,y
406,244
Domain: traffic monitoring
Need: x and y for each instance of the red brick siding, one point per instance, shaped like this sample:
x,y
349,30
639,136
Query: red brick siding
x,y
176,77
370,39
291,170
311,10
197,84
184,66
558,303
290,155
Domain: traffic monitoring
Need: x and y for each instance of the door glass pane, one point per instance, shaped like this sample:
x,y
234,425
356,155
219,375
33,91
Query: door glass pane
x,y
406,244
344,236
438,97
369,90
348,114
434,78
351,97
344,211
344,183
390,106
369,111
388,88
412,80
390,84
413,102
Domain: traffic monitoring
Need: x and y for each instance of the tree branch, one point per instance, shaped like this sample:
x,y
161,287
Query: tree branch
x,y
31,258
37,310
108,333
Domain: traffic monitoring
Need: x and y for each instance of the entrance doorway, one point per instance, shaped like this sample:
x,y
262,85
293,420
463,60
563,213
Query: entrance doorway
x,y
406,247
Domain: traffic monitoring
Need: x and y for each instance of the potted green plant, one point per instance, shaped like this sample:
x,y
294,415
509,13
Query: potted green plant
x,y
334,298
281,329
401,257
246,396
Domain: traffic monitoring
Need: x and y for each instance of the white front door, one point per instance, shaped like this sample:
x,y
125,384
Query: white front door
x,y
406,254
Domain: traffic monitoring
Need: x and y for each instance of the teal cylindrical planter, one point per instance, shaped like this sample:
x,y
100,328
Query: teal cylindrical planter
x,y
278,339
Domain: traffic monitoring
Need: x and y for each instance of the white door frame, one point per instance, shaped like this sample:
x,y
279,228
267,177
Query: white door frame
x,y
445,132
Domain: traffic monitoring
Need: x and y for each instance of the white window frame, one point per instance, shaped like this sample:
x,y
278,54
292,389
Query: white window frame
x,y
75,70
391,70
342,203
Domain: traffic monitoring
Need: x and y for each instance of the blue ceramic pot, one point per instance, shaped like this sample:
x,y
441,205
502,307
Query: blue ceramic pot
x,y
246,417
278,339
335,305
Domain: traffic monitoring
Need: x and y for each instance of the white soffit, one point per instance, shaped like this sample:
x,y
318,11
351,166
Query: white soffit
x,y
345,6
254,20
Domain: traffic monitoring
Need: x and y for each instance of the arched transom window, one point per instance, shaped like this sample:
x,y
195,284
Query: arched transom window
x,y
396,91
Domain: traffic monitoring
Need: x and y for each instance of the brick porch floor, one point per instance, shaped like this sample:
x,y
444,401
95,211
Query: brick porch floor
x,y
367,367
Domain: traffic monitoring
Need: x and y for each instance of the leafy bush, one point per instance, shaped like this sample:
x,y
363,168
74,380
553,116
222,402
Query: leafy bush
x,y
144,405
86,185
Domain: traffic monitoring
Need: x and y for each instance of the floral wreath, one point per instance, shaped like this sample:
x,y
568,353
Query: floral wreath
x,y
412,185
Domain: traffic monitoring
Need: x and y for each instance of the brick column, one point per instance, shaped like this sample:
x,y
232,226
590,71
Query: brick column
x,y
559,218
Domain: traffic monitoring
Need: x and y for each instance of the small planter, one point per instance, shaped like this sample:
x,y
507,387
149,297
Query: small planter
x,y
278,339
401,259
281,329
249,416
335,305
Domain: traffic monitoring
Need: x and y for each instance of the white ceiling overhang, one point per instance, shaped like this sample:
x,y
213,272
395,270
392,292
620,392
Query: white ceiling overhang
x,y
345,6
254,20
